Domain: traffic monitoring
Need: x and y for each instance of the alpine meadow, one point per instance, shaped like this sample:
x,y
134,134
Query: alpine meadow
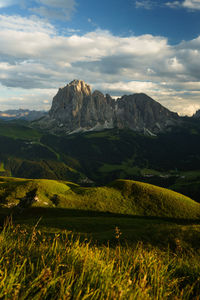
x,y
99,150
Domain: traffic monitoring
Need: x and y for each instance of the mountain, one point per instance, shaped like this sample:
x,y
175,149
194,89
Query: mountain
x,y
169,157
75,108
197,114
22,114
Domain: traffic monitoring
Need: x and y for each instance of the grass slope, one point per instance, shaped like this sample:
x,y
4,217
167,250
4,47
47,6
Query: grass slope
x,y
42,259
152,200
35,265
121,196
17,130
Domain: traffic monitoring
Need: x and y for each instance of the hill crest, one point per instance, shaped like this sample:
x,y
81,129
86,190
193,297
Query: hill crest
x,y
121,196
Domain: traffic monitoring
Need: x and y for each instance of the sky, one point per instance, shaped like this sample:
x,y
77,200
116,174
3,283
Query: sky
x,y
116,46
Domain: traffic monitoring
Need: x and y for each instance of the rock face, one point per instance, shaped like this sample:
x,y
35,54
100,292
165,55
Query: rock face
x,y
139,112
197,114
75,108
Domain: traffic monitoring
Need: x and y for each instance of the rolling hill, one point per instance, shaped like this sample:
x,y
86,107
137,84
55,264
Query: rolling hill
x,y
121,196
166,160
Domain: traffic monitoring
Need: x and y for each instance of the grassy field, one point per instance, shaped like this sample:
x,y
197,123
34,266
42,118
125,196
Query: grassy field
x,y
38,265
127,240
127,167
2,169
14,130
100,226
142,211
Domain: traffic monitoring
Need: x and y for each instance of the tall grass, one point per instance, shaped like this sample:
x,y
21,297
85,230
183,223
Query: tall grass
x,y
34,265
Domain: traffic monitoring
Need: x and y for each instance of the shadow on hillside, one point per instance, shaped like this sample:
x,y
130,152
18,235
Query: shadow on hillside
x,y
101,227
41,212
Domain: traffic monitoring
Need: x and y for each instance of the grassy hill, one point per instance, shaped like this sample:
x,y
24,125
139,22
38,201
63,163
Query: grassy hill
x,y
121,196
126,240
41,254
101,157
19,130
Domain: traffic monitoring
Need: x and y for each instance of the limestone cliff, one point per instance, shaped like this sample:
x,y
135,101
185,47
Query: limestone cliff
x,y
75,108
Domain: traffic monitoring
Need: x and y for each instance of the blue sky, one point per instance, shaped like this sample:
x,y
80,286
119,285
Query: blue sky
x,y
117,46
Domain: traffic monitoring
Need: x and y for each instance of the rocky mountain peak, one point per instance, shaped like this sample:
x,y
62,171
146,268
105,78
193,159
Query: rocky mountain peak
x,y
97,93
80,86
75,108
197,114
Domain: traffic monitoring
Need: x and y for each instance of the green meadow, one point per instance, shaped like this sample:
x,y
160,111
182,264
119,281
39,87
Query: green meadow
x,y
16,130
125,240
2,169
37,264
120,196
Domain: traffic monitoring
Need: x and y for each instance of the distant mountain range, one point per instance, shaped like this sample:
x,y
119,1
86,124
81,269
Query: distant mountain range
x,y
76,108
22,114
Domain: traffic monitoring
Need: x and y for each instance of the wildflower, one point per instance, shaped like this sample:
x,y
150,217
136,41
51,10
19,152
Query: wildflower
x,y
117,233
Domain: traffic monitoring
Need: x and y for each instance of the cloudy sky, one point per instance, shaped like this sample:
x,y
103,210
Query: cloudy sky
x,y
117,46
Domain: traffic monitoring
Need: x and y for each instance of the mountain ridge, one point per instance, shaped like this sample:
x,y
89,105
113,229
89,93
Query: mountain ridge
x,y
75,108
21,114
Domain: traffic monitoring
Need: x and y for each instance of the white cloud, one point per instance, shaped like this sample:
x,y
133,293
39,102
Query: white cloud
x,y
6,3
28,25
57,9
193,4
35,58
189,4
38,99
173,4
150,4
146,4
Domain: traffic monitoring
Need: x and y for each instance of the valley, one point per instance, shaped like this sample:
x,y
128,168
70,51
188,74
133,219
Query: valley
x,y
105,212
169,160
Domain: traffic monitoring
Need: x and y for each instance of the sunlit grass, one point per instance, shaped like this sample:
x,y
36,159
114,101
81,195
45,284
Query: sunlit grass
x,y
34,265
2,169
122,196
